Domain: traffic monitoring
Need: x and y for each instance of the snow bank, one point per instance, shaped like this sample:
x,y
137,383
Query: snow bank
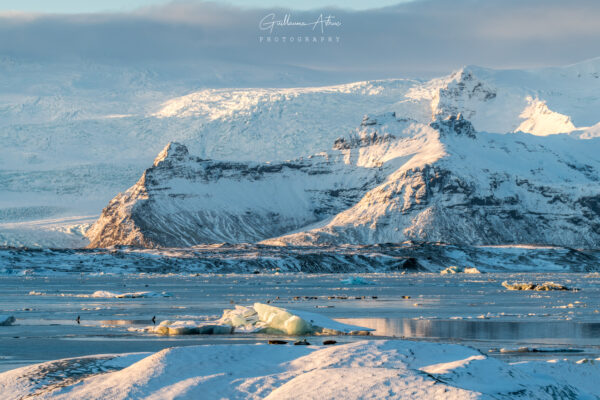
x,y
533,286
366,369
7,320
455,270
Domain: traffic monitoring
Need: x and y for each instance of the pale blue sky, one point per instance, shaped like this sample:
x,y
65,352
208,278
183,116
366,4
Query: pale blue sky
x,y
92,6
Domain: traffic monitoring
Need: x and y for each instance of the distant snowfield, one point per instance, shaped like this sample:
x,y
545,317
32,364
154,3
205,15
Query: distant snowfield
x,y
72,139
67,232
365,369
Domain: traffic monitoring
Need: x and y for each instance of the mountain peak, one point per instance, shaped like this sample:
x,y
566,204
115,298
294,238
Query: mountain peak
x,y
172,151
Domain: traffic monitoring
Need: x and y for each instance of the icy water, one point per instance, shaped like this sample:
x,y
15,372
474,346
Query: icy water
x,y
470,309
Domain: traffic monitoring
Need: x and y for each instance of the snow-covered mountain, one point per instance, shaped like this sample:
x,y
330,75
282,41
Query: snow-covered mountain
x,y
69,151
481,188
183,200
394,180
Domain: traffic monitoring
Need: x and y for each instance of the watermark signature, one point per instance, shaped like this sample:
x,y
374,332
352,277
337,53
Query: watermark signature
x,y
288,30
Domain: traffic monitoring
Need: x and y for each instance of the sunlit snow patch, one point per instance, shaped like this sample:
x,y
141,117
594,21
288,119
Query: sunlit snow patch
x,y
376,369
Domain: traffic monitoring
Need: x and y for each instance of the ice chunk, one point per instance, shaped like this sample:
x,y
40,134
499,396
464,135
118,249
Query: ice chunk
x,y
7,320
271,319
533,286
262,318
282,320
244,319
132,295
455,270
191,328
356,280
540,350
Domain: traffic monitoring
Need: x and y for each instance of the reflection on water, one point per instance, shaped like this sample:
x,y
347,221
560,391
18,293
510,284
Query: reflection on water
x,y
478,329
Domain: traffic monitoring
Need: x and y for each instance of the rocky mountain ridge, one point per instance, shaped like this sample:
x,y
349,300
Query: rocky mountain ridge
x,y
393,180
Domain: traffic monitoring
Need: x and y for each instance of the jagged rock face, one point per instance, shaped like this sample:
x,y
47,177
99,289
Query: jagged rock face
x,y
454,124
460,95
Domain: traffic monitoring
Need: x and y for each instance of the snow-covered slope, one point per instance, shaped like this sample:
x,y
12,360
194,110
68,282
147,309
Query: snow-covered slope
x,y
487,189
183,200
73,139
542,102
73,136
393,369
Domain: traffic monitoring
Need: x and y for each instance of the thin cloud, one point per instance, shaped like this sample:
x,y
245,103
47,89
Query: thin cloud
x,y
419,38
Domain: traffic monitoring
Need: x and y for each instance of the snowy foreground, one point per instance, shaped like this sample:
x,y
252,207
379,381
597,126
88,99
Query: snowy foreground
x,y
364,369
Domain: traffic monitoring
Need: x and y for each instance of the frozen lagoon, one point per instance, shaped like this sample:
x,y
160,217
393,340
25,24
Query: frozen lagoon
x,y
469,309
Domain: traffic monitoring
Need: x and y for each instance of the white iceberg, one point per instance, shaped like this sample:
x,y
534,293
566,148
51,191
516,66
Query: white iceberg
x,y
546,286
270,319
453,269
261,318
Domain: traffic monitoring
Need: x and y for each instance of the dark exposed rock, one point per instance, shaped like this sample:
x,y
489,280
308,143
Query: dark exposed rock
x,y
454,124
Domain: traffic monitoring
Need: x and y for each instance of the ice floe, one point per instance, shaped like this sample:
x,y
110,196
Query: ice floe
x,y
104,294
453,269
356,280
191,328
546,286
261,318
525,349
131,295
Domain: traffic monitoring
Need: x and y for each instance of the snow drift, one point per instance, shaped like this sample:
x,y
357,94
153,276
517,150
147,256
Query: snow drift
x,y
365,369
